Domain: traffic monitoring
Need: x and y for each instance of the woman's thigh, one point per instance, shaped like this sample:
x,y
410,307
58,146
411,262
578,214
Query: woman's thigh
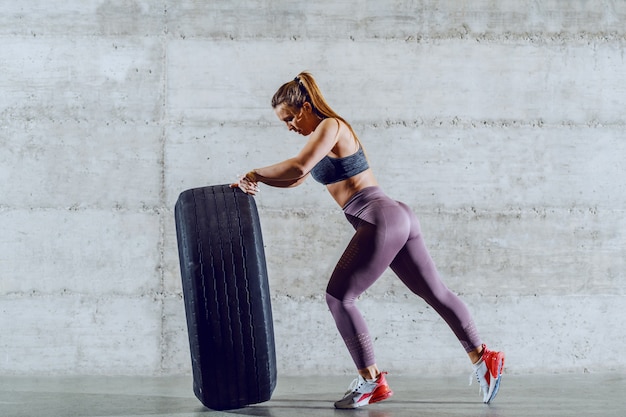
x,y
371,250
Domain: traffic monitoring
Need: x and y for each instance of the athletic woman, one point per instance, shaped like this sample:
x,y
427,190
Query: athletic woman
x,y
387,234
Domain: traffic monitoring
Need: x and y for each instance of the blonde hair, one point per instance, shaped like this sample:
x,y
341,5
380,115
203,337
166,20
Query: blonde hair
x,y
304,89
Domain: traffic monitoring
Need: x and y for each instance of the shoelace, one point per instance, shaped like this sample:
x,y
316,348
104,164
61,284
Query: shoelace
x,y
473,375
471,380
355,385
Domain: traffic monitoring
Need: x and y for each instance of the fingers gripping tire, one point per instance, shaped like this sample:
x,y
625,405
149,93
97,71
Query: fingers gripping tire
x,y
226,296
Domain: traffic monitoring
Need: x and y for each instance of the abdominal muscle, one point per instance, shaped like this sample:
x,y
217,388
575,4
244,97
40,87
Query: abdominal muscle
x,y
342,191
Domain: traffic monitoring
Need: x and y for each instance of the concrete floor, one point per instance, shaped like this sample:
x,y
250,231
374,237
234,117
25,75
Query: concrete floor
x,y
520,396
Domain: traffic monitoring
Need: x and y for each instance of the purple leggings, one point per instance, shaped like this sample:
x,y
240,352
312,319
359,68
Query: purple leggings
x,y
388,235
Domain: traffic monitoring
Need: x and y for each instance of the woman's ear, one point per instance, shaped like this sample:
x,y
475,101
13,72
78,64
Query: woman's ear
x,y
307,107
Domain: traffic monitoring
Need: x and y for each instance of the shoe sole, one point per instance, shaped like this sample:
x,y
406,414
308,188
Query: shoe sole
x,y
496,385
377,397
374,398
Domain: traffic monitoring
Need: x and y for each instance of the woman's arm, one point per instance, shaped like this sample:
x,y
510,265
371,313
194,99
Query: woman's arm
x,y
293,171
287,171
281,183
249,186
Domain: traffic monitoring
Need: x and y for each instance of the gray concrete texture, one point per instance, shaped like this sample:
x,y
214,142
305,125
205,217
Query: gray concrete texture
x,y
500,123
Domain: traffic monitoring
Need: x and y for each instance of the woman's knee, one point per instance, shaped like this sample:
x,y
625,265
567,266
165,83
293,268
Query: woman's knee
x,y
331,301
337,303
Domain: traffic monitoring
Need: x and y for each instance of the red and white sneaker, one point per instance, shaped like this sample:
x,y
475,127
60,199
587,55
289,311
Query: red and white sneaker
x,y
365,391
488,371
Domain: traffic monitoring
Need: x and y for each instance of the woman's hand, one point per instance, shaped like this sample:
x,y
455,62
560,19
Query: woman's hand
x,y
247,183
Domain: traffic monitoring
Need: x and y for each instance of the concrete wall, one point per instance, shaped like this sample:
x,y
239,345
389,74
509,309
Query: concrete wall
x,y
500,123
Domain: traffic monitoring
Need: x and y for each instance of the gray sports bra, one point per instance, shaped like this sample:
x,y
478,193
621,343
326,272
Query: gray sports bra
x,y
330,170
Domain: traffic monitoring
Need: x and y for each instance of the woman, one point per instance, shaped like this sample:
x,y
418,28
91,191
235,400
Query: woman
x,y
387,234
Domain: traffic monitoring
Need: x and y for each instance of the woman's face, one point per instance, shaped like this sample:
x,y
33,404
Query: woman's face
x,y
300,120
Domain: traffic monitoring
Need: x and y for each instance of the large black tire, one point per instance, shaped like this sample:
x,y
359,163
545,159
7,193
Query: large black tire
x,y
227,297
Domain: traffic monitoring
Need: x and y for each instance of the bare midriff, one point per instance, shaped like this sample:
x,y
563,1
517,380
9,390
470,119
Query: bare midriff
x,y
342,191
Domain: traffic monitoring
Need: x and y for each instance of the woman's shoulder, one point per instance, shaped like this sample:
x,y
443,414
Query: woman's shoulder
x,y
330,127
331,122
344,140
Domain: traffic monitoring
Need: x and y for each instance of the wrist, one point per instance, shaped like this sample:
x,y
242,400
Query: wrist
x,y
252,176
